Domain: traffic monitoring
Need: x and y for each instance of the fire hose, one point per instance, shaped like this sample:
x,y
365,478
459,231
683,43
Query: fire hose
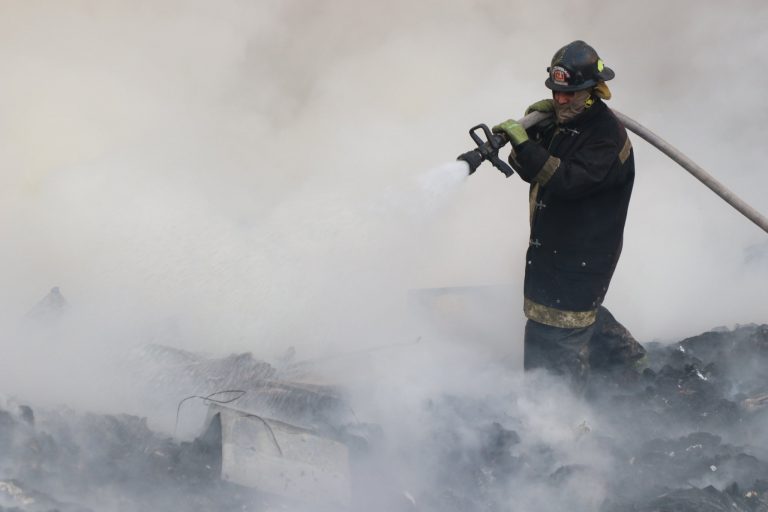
x,y
487,149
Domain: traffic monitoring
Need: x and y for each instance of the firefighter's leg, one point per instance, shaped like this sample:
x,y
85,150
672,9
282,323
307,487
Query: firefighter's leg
x,y
561,351
612,347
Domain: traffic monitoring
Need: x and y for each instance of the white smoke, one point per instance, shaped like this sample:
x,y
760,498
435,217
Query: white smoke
x,y
248,173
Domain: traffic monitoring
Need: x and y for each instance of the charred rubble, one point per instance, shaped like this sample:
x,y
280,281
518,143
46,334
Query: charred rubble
x,y
112,462
687,433
92,462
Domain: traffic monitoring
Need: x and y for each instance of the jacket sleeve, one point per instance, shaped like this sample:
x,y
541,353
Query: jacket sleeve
x,y
578,175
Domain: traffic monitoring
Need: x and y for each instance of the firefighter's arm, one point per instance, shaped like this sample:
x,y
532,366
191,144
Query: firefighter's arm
x,y
577,175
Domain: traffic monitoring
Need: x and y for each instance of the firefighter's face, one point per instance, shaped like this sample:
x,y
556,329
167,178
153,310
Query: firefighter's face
x,y
562,97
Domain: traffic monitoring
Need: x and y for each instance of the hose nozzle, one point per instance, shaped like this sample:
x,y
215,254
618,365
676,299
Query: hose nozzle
x,y
487,149
474,158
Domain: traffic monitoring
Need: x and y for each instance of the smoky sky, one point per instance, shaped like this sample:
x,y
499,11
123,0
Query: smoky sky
x,y
248,174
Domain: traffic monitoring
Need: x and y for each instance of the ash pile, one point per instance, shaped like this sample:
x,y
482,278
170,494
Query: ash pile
x,y
690,432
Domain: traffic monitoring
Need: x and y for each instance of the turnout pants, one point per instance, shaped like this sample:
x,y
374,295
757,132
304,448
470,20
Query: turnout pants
x,y
603,347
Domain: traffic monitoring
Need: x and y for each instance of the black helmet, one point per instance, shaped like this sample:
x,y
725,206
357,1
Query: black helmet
x,y
576,66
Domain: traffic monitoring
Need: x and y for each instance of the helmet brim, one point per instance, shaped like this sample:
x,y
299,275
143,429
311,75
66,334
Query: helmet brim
x,y
604,75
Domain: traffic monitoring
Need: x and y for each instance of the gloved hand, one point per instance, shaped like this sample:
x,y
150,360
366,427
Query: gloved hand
x,y
545,105
513,130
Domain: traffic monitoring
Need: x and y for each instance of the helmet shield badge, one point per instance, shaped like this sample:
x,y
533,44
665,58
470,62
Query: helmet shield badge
x,y
559,75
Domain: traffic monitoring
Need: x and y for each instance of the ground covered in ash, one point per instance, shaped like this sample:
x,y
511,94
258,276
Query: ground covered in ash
x,y
688,433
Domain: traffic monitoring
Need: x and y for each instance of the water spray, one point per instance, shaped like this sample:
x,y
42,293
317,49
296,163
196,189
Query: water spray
x,y
488,149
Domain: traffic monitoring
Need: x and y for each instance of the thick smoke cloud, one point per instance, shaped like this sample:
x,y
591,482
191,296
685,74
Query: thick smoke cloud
x,y
242,175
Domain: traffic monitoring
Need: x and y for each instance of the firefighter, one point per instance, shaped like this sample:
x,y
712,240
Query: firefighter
x,y
581,169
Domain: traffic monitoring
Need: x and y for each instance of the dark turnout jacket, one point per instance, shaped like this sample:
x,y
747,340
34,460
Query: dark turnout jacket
x,y
581,177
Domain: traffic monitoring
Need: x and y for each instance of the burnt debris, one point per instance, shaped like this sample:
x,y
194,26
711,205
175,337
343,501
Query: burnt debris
x,y
688,432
